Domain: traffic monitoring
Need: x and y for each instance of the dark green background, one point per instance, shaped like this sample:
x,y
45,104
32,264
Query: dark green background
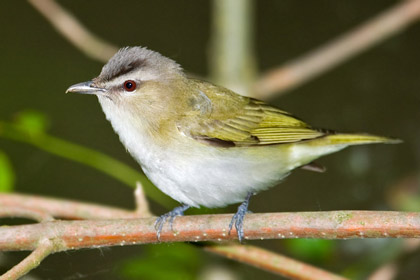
x,y
376,92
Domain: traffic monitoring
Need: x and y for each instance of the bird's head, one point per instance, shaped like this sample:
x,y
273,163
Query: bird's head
x,y
140,81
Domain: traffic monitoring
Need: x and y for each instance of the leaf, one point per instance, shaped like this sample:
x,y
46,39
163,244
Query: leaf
x,y
318,250
33,122
7,176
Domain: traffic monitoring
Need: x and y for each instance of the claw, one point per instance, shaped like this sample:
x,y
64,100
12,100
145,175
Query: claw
x,y
238,218
178,211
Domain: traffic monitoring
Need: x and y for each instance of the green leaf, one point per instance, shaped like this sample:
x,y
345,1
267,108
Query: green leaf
x,y
7,176
163,261
33,122
318,250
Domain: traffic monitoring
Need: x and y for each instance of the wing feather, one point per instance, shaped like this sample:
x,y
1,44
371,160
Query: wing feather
x,y
251,122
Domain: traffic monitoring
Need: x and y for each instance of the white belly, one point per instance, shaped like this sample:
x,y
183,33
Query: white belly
x,y
212,178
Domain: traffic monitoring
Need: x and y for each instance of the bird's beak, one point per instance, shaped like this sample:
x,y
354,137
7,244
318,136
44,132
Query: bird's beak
x,y
86,88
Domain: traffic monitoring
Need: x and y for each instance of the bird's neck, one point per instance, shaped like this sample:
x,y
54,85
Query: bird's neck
x,y
139,136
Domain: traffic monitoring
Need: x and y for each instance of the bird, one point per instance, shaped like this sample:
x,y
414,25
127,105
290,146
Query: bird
x,y
200,143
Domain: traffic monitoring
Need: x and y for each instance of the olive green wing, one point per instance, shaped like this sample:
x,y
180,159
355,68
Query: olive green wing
x,y
250,122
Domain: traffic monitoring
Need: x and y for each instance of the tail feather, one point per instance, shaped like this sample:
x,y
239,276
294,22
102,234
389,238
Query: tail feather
x,y
358,139
308,151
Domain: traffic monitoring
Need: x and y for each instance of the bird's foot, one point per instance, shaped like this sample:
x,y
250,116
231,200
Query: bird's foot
x,y
178,211
238,218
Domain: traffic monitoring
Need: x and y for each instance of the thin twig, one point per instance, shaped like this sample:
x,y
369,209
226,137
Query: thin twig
x,y
272,262
23,212
71,29
142,206
385,272
317,62
44,248
61,208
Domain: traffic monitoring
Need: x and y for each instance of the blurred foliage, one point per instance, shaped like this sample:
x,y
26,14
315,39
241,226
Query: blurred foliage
x,y
404,195
32,121
409,203
374,254
7,176
313,250
164,261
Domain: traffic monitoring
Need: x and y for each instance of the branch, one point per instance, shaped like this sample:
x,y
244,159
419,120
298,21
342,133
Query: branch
x,y
142,206
71,29
44,248
269,261
66,209
23,212
311,65
232,58
322,225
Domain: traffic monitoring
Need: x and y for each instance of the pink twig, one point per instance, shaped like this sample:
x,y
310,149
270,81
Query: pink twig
x,y
71,29
269,261
64,208
44,248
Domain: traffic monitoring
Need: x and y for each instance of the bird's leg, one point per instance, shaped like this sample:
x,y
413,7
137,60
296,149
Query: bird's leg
x,y
178,211
238,218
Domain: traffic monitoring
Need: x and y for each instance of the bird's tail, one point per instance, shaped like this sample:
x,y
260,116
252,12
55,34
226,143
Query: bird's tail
x,y
357,139
307,151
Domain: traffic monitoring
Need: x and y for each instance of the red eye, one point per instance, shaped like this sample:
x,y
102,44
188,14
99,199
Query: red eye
x,y
130,85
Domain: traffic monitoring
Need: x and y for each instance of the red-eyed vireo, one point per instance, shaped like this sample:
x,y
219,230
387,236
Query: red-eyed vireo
x,y
203,144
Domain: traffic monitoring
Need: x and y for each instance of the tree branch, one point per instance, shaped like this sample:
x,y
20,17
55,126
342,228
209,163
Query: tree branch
x,y
323,225
317,62
62,208
232,57
21,212
71,29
